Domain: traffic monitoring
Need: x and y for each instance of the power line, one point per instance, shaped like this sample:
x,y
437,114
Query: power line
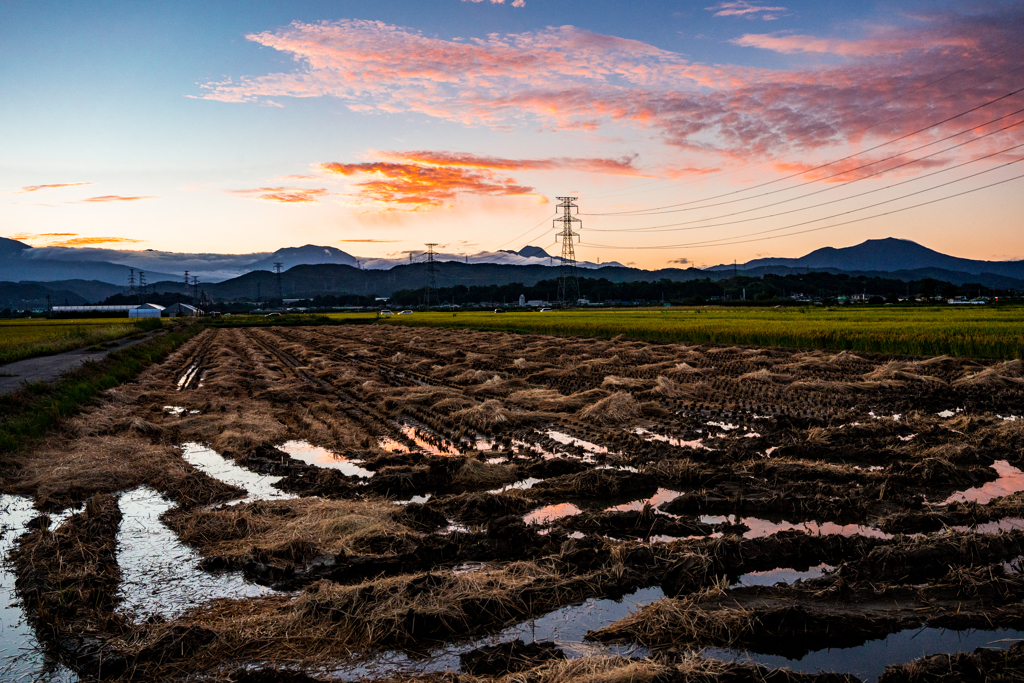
x,y
718,243
672,227
808,170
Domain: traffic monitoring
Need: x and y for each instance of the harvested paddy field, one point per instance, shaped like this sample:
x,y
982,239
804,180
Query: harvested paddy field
x,y
340,502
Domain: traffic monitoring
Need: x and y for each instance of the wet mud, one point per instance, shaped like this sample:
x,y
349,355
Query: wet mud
x,y
327,503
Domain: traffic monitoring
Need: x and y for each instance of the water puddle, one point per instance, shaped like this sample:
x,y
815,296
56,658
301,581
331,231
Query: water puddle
x,y
415,499
1011,480
994,527
521,485
573,441
187,377
674,441
549,513
414,434
391,446
762,528
215,465
566,627
159,574
868,661
22,657
179,410
321,457
662,496
782,575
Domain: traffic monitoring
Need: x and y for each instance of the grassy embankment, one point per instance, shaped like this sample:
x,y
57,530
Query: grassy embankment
x,y
20,339
980,332
35,409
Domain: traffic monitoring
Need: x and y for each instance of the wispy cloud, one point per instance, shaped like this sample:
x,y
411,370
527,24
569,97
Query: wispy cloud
x,y
566,78
369,241
620,166
284,195
70,239
51,186
515,3
113,198
742,8
682,261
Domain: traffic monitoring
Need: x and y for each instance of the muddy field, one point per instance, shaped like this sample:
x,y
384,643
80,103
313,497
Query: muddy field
x,y
291,504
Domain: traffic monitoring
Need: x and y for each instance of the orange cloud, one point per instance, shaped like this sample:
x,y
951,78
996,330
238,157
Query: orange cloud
x,y
421,186
370,241
284,195
36,188
113,198
28,236
621,166
91,241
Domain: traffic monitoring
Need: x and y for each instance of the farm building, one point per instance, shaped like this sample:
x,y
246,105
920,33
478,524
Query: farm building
x,y
117,311
181,310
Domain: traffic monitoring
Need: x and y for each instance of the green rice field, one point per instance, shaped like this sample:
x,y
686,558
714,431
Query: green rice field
x,y
982,332
20,339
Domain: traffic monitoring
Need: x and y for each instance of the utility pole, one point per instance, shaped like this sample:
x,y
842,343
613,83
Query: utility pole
x,y
277,271
431,278
568,283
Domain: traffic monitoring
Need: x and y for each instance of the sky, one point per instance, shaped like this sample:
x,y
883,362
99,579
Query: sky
x,y
691,133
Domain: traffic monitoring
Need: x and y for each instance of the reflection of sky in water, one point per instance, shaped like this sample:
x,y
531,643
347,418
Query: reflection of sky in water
x,y
868,661
551,512
760,528
321,457
565,626
680,443
213,464
782,574
662,496
412,433
1011,480
21,656
573,441
159,574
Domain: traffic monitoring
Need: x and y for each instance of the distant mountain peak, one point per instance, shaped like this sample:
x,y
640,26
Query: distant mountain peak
x,y
529,252
10,247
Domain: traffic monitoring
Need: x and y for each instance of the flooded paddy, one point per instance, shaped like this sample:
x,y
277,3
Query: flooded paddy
x,y
368,501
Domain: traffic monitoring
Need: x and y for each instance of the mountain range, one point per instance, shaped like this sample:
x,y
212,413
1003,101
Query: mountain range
x,y
29,275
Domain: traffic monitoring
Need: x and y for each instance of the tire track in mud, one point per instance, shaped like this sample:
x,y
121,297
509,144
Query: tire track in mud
x,y
194,366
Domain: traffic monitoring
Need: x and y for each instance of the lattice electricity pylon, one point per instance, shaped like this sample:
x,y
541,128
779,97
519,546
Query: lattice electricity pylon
x,y
277,272
431,274
131,282
568,282
142,286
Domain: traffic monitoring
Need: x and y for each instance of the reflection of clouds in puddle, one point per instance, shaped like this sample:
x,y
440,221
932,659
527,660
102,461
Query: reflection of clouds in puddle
x,y
321,457
413,434
1005,524
213,464
159,574
549,513
520,485
761,528
391,446
415,499
1011,480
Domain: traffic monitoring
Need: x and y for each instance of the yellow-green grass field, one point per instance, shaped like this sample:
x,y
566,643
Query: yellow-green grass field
x,y
975,331
20,339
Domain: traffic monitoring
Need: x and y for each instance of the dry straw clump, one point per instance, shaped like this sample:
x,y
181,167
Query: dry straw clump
x,y
616,409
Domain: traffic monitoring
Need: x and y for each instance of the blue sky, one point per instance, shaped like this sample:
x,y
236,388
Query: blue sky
x,y
241,127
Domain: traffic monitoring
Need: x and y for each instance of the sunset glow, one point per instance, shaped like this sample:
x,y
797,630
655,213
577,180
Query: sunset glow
x,y
379,127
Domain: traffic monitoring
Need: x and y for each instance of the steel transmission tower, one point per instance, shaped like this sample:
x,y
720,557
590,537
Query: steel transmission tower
x,y
277,271
568,283
131,282
431,276
142,286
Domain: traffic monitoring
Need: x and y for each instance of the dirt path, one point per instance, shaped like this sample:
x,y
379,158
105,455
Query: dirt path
x,y
49,368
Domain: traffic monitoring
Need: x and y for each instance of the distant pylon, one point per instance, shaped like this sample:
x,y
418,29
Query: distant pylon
x,y
142,286
186,283
277,271
131,282
195,288
431,277
568,282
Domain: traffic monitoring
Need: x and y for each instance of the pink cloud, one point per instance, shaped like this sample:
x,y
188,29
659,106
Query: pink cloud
x,y
515,3
36,188
621,166
742,8
894,80
284,195
113,198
